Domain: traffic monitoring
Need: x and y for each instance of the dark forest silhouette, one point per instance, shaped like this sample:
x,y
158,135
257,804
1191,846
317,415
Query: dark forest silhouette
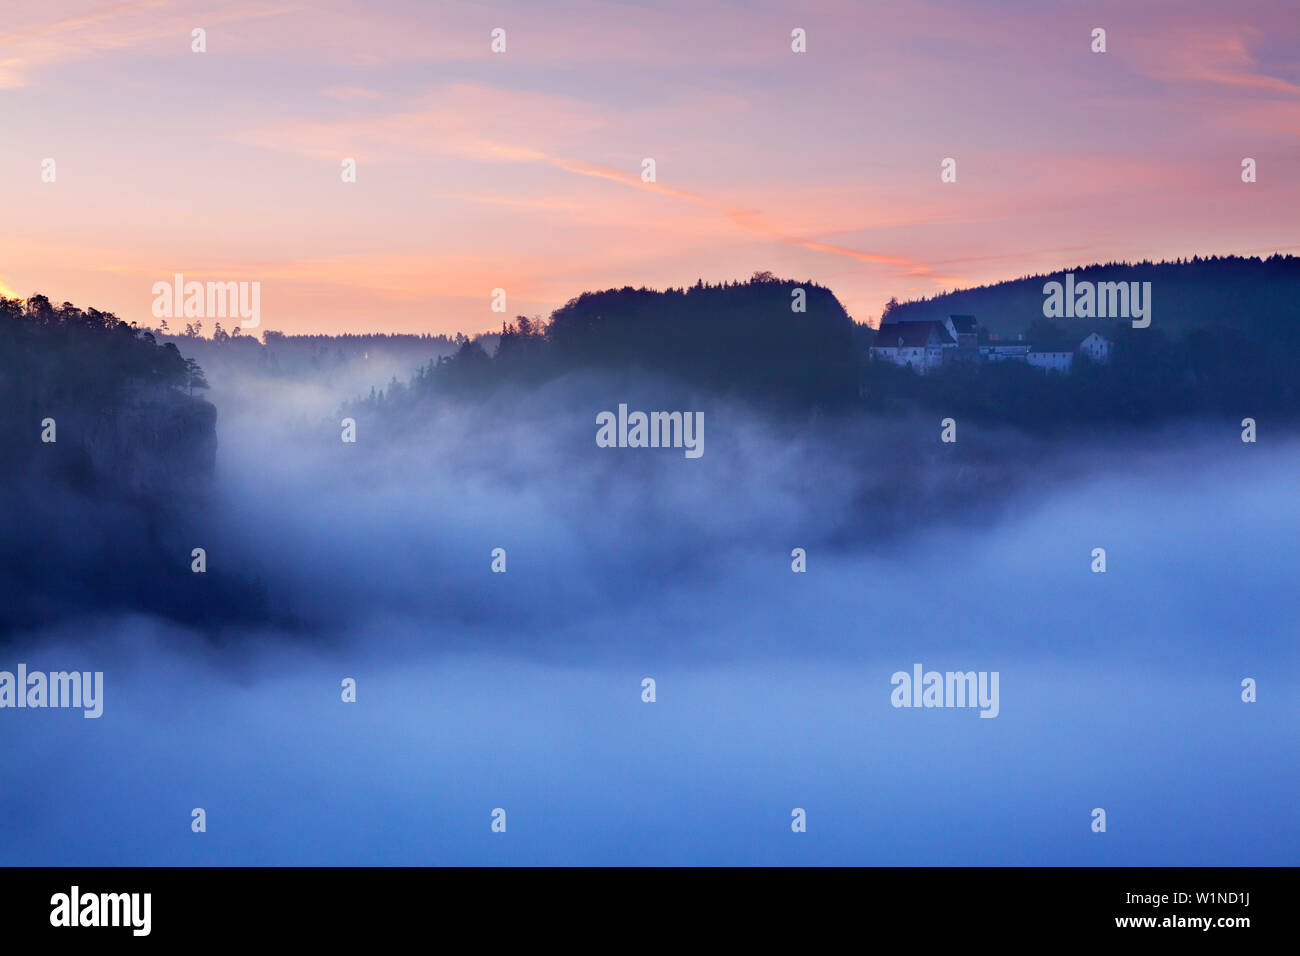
x,y
98,517
743,340
1258,297
84,369
739,338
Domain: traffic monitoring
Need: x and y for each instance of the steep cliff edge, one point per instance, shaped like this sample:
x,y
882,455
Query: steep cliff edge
x,y
106,462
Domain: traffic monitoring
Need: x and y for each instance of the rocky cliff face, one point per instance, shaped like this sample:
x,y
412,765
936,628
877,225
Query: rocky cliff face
x,y
153,441
106,466
105,518
162,441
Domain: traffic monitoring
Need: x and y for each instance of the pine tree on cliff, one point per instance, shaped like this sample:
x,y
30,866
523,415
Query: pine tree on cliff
x,y
194,376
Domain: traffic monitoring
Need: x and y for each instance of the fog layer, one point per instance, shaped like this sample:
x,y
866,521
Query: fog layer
x,y
523,690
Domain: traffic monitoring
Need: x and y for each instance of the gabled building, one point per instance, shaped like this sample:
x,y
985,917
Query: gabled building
x,y
964,330
927,343
920,345
1097,347
1058,358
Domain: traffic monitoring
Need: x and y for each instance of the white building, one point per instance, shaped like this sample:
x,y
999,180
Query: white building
x,y
924,344
920,345
1051,359
963,329
1097,347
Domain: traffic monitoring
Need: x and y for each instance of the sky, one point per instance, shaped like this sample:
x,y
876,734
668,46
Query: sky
x,y
522,170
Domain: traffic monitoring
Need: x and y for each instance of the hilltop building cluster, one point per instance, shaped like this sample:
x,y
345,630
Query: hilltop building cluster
x,y
924,344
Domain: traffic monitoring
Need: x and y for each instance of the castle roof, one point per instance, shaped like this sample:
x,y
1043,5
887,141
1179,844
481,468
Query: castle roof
x,y
912,335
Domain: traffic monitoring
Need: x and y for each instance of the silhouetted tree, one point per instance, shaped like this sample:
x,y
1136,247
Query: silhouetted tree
x,y
194,376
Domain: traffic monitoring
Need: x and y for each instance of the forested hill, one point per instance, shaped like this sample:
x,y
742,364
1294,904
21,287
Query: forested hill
x,y
1223,342
1257,297
766,341
105,458
89,400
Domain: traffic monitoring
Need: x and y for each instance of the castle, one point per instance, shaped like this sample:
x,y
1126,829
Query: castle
x,y
928,343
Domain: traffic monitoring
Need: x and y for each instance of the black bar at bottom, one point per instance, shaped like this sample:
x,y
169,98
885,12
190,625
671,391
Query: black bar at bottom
x,y
372,905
